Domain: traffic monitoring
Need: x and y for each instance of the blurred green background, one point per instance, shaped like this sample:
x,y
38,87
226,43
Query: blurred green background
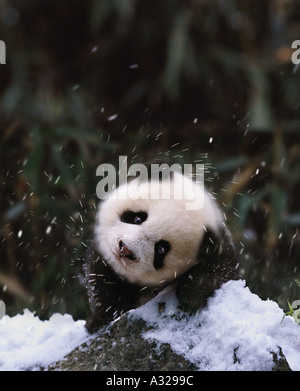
x,y
191,81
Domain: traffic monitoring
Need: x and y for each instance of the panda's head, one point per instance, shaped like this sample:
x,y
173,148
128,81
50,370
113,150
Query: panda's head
x,y
151,241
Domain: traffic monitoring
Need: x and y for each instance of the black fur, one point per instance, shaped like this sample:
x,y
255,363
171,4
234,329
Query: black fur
x,y
158,262
217,264
110,295
129,217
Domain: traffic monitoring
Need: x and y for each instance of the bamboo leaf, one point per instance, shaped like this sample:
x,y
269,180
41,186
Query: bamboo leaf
x,y
260,110
290,307
176,55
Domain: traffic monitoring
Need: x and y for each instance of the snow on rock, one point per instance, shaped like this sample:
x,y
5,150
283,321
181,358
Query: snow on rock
x,y
26,342
236,331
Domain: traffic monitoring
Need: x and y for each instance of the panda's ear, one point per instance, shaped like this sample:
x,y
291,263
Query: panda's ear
x,y
216,264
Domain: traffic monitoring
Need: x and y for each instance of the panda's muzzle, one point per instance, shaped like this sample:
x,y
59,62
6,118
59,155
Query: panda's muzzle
x,y
125,252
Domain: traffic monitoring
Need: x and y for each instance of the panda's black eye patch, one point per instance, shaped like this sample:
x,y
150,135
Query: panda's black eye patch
x,y
161,249
136,218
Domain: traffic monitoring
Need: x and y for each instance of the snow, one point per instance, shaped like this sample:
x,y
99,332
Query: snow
x,y
112,117
26,342
236,331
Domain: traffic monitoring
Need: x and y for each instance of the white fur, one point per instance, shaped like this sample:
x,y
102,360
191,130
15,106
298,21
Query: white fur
x,y
168,219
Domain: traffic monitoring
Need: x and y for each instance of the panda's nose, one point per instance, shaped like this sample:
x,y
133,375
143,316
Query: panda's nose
x,y
125,252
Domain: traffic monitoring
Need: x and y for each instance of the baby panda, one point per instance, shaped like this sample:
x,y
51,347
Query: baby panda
x,y
144,243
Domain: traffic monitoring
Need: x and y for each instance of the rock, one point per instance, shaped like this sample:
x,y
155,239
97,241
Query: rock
x,y
122,348
236,331
281,363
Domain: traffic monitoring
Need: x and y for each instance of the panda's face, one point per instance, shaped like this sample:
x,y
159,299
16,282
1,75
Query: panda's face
x,y
150,241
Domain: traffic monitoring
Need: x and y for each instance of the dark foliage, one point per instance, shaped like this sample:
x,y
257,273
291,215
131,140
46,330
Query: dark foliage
x,y
190,81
